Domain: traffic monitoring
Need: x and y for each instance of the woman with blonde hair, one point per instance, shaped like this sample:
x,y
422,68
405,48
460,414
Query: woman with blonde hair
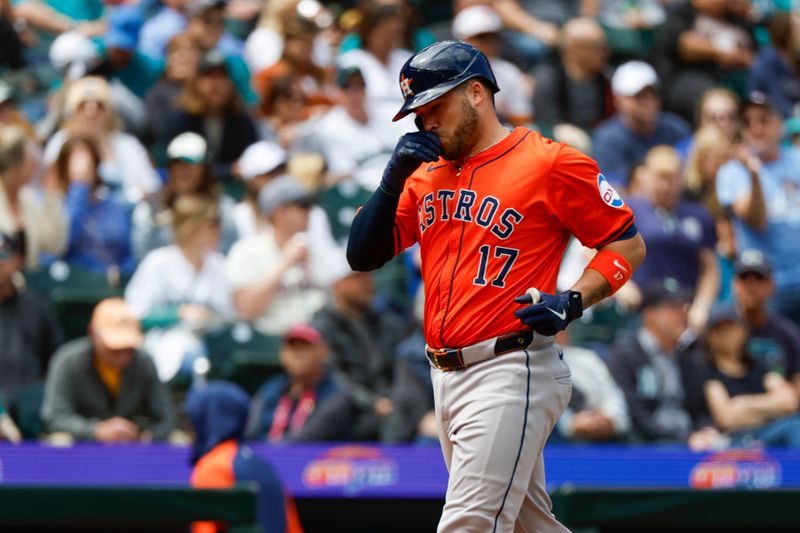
x,y
24,208
711,149
124,164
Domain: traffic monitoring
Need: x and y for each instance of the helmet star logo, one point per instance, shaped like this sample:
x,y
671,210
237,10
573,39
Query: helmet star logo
x,y
405,86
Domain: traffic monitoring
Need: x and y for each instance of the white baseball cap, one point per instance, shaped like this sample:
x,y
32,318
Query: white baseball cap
x,y
261,158
631,77
476,20
189,147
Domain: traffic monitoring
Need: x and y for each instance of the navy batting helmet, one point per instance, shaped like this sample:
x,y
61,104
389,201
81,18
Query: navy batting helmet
x,y
436,69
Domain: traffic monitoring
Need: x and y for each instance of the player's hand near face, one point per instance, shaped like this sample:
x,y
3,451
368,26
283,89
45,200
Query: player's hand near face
x,y
548,314
411,151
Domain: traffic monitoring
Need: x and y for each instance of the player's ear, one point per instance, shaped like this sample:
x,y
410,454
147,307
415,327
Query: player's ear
x,y
476,92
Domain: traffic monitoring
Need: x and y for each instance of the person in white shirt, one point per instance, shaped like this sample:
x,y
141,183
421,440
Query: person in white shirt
x,y
181,288
480,26
278,280
356,138
381,56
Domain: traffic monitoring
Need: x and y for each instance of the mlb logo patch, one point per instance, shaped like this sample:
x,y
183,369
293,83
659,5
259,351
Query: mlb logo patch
x,y
610,196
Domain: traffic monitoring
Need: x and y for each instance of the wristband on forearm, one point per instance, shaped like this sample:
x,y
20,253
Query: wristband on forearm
x,y
613,267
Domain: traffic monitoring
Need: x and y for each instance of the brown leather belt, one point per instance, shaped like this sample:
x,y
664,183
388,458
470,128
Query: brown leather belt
x,y
449,359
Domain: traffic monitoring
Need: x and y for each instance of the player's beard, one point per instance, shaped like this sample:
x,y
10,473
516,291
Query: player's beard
x,y
458,146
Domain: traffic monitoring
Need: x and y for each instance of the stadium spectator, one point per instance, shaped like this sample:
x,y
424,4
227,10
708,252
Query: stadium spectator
x,y
136,71
159,29
680,235
276,278
183,56
621,142
99,223
704,43
355,138
206,27
573,91
206,22
125,168
363,344
29,334
748,401
532,26
10,113
597,411
413,418
305,403
297,62
718,108
480,26
220,459
24,207
632,14
382,31
710,149
414,36
772,340
180,289
776,69
188,174
210,107
282,112
762,189
260,163
103,388
73,56
661,379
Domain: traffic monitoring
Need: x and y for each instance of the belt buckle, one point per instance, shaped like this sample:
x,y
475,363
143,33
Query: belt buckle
x,y
444,352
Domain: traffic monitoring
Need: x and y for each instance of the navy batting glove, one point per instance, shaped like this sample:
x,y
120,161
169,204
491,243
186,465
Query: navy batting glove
x,y
411,151
551,313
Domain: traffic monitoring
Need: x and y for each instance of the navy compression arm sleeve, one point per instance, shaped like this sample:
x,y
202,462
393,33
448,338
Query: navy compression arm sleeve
x,y
371,242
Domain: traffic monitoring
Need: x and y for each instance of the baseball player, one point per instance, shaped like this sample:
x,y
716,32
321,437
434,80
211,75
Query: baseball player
x,y
492,211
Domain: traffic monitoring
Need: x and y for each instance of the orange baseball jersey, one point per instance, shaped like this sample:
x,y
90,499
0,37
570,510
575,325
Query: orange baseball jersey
x,y
499,225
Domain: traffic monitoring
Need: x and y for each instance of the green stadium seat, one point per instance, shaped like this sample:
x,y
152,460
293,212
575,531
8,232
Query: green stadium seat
x,y
26,411
340,203
243,355
629,43
73,293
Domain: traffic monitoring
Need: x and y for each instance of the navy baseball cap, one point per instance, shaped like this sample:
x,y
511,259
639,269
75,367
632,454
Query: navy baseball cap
x,y
722,314
664,291
752,261
757,99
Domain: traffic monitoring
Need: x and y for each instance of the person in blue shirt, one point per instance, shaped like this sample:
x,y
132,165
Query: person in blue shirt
x,y
680,235
621,142
99,223
157,30
762,189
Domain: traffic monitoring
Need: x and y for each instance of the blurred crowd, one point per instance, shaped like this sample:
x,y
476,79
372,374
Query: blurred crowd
x,y
178,177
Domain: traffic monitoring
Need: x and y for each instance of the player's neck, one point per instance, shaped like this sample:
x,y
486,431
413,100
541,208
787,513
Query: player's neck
x,y
493,135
